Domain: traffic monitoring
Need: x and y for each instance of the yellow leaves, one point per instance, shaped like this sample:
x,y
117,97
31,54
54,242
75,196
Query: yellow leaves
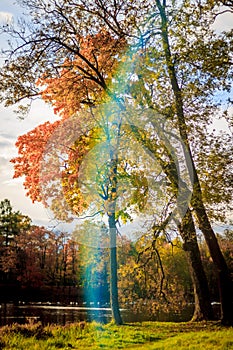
x,y
144,286
123,215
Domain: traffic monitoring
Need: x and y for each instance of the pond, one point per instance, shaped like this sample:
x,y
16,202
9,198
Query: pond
x,y
60,314
48,314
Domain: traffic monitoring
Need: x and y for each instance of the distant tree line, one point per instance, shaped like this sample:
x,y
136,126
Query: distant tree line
x,y
150,280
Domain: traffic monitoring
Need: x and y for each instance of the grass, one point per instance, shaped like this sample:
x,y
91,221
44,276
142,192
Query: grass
x,y
144,336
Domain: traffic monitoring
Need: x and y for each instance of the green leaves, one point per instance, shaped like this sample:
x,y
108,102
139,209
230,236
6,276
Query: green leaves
x,y
11,223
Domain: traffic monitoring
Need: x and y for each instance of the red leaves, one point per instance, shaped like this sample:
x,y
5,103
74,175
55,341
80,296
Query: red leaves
x,y
31,148
44,153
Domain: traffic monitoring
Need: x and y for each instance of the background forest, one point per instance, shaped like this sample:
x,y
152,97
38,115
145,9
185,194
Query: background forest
x,y
42,265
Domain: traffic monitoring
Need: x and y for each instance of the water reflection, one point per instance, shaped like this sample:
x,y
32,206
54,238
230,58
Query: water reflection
x,y
59,314
48,314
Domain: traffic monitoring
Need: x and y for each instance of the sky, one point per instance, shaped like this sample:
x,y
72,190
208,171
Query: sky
x,y
11,127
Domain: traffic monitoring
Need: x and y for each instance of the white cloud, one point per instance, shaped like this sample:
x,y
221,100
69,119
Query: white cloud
x,y
223,21
10,129
6,17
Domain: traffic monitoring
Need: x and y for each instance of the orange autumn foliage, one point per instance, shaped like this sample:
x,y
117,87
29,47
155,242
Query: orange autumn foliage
x,y
81,81
39,162
31,147
84,80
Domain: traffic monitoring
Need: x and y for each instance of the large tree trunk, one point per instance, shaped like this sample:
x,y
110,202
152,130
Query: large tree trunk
x,y
113,272
203,309
225,282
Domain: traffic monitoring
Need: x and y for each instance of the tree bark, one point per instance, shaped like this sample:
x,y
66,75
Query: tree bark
x,y
113,271
202,309
225,284
111,210
224,278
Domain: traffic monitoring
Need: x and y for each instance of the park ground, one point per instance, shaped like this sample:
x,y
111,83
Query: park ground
x,y
146,335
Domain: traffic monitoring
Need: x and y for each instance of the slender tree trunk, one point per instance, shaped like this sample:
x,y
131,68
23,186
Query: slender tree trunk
x,y
224,279
203,309
113,271
111,210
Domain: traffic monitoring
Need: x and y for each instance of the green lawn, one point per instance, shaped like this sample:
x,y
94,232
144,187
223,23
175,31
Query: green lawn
x,y
146,335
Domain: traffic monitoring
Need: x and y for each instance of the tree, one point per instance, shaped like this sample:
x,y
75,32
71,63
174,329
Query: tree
x,y
158,280
71,188
225,242
182,217
12,224
31,256
163,49
225,282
